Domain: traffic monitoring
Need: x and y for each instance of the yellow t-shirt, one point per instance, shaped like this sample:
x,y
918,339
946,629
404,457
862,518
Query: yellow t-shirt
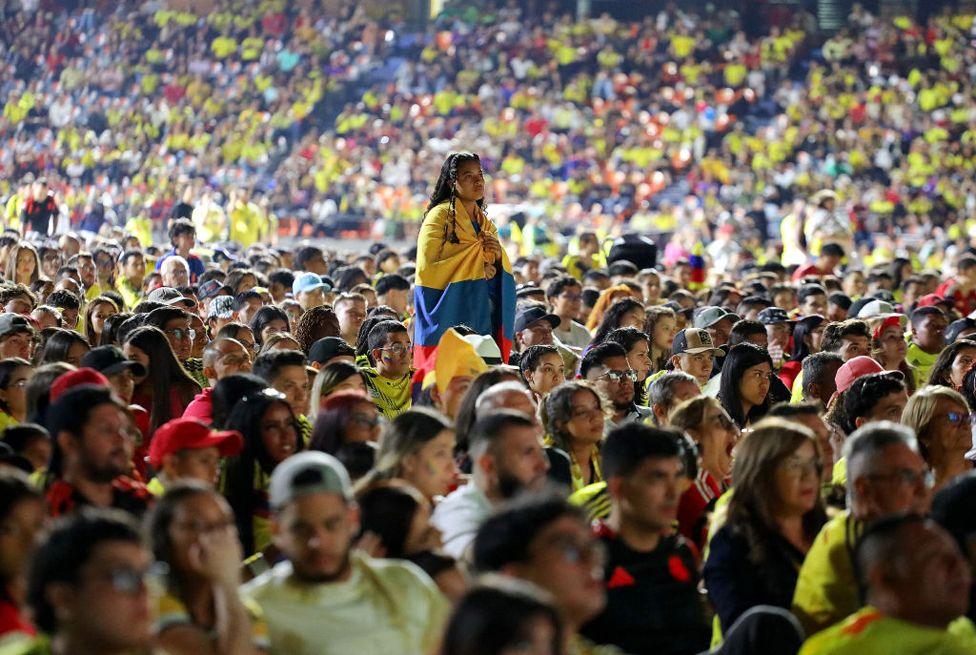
x,y
385,606
170,611
826,588
868,632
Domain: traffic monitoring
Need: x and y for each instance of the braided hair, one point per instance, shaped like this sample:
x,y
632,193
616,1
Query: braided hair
x,y
444,191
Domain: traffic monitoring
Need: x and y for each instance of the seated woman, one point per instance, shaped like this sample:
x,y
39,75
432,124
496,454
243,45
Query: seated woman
x,y
774,514
542,369
714,433
331,379
22,514
942,422
417,447
638,348
191,529
398,516
953,363
270,435
348,426
746,379
575,420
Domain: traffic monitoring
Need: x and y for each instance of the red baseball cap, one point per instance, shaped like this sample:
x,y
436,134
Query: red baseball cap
x,y
76,378
932,300
854,368
191,434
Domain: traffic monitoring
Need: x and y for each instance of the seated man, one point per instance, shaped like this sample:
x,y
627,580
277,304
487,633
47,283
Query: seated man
x,y
221,357
693,352
917,590
605,367
667,392
388,376
649,565
88,587
547,542
326,598
185,448
507,457
885,476
456,365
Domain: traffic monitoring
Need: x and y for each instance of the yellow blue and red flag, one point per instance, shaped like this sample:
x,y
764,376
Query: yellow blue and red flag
x,y
452,287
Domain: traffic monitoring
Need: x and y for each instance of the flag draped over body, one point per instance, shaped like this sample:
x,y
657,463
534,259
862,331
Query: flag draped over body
x,y
452,286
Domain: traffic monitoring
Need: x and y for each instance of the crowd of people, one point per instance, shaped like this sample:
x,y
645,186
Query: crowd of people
x,y
740,427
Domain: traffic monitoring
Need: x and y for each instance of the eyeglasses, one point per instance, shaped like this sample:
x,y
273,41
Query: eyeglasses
x,y
366,421
907,477
180,334
799,467
620,376
131,581
398,349
956,418
575,552
572,297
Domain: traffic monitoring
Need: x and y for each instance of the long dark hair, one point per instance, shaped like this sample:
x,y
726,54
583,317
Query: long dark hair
x,y
165,375
444,190
59,343
942,368
8,367
387,510
802,330
160,520
228,391
629,337
239,487
89,330
611,319
742,356
110,330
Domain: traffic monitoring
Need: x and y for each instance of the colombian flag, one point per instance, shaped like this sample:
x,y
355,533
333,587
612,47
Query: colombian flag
x,y
451,288
697,261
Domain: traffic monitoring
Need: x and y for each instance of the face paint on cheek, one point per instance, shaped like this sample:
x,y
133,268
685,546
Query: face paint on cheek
x,y
431,469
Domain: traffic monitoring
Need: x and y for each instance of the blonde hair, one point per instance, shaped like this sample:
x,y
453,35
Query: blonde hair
x,y
920,410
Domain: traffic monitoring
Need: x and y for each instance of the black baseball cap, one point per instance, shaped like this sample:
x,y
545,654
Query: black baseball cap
x,y
774,315
956,327
530,315
327,348
109,360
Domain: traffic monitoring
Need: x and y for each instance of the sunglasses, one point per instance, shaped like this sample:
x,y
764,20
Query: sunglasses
x,y
179,334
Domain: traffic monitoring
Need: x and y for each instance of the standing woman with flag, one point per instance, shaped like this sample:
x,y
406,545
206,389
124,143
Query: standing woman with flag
x,y
464,276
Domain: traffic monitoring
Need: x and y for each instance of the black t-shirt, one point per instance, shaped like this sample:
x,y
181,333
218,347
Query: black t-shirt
x,y
39,214
653,604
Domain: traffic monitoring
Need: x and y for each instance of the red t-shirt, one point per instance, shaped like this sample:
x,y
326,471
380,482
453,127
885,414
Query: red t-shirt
x,y
693,504
965,304
11,618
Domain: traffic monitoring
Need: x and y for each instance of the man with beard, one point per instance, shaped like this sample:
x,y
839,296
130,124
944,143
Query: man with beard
x,y
93,439
605,367
507,456
326,598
